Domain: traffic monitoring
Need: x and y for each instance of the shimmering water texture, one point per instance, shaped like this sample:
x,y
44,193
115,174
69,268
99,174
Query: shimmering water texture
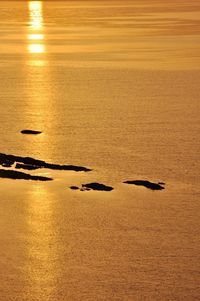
x,y
99,108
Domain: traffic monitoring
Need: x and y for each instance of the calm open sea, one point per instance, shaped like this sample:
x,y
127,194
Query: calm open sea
x,y
114,86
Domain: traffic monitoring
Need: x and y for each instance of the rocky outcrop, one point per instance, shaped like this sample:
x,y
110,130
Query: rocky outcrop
x,y
13,174
93,186
28,162
147,184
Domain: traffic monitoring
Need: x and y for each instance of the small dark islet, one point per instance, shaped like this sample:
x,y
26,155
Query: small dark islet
x,y
30,132
147,184
93,186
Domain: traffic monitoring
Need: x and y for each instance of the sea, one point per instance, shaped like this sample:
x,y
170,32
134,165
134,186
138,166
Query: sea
x,y
113,86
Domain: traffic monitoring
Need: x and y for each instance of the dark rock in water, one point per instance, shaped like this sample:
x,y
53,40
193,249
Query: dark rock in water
x,y
25,160
7,164
30,132
65,167
39,163
147,184
26,166
74,188
92,186
12,174
96,186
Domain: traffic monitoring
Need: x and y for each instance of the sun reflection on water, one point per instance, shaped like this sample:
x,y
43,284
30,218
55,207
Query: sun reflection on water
x,y
38,89
35,35
35,9
41,265
36,48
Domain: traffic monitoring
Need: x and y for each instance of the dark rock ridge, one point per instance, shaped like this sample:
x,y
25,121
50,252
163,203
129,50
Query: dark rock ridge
x,y
147,184
30,132
93,186
12,174
26,166
28,162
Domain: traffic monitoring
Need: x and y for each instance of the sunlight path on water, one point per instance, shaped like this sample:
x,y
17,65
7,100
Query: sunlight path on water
x,y
37,89
35,36
40,264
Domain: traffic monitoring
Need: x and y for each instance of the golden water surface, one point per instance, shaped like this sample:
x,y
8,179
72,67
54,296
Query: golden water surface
x,y
114,86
